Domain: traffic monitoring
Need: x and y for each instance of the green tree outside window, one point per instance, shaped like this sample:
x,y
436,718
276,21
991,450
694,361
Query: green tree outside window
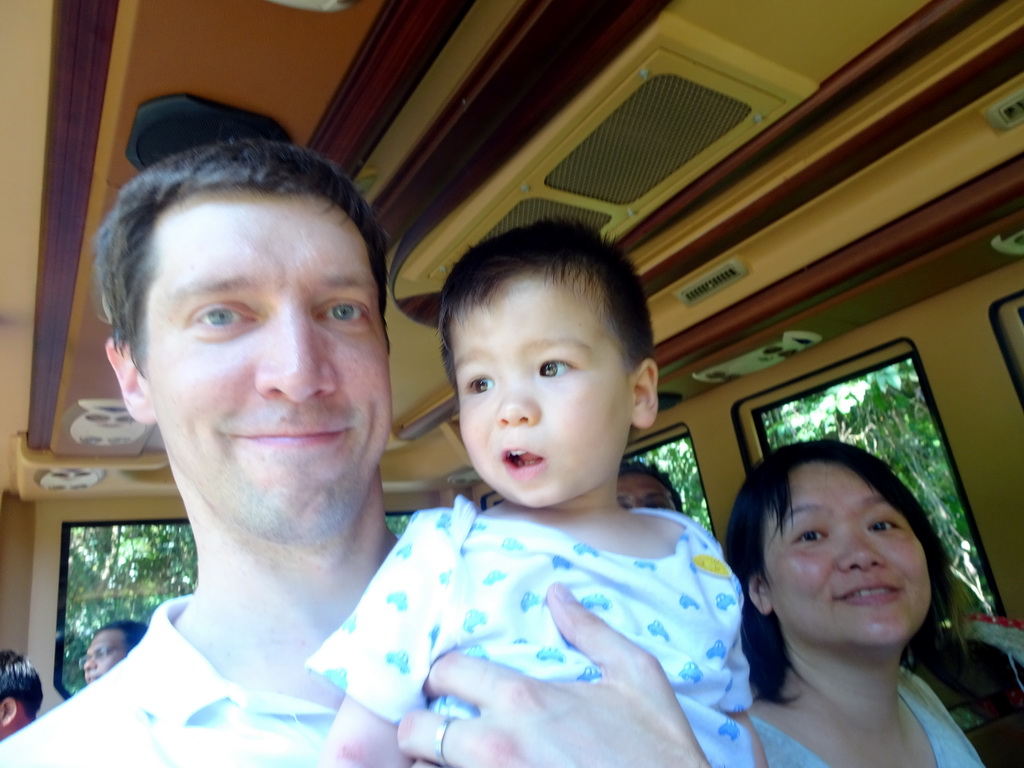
x,y
121,571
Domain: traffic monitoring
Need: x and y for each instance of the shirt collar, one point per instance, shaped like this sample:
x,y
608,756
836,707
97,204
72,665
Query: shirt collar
x,y
173,681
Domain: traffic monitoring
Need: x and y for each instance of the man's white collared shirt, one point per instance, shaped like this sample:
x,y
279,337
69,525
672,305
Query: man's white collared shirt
x,y
165,705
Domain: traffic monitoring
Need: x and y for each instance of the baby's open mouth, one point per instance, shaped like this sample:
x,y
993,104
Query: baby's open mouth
x,y
522,458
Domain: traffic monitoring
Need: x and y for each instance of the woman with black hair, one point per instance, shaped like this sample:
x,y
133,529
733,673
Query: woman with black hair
x,y
846,582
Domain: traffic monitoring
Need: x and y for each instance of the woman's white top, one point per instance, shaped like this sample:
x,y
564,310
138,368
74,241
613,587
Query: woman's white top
x,y
951,747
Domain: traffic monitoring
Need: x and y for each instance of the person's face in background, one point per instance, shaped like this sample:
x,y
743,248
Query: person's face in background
x,y
107,648
637,490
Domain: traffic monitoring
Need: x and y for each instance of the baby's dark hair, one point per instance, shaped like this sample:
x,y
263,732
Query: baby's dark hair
x,y
564,254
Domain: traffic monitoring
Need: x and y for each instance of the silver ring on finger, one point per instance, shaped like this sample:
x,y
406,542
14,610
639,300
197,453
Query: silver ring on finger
x,y
442,729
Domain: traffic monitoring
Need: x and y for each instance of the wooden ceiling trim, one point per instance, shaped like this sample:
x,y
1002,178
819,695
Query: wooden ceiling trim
x,y
920,34
962,87
923,32
964,210
84,34
543,58
400,48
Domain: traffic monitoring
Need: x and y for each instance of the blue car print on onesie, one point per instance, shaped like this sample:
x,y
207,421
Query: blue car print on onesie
x,y
585,549
718,649
349,624
550,654
730,728
444,522
560,562
444,577
589,674
657,629
645,565
590,602
529,601
691,672
688,602
399,660
398,599
494,577
434,634
512,544
404,552
477,651
723,601
474,619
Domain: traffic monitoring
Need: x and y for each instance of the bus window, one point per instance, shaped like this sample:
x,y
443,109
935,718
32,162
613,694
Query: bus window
x,y
113,571
1007,317
677,459
888,411
398,521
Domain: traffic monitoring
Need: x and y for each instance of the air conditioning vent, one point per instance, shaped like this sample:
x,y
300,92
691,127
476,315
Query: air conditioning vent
x,y
1007,114
670,107
711,282
666,123
771,354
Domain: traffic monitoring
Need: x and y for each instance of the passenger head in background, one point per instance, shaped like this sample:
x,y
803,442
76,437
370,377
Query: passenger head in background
x,y
645,486
21,692
124,268
800,495
111,643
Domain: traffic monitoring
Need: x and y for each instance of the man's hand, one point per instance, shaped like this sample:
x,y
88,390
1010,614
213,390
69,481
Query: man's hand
x,y
629,717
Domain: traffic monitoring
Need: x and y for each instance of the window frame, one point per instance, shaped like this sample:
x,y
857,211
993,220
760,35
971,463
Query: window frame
x,y
1007,318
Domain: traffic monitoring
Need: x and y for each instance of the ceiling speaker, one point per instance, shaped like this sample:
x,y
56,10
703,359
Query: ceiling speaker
x,y
171,124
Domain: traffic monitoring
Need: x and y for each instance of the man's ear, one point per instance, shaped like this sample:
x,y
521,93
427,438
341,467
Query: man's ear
x,y
759,594
8,711
134,386
645,394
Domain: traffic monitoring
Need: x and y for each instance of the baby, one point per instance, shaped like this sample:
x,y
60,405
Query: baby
x,y
547,339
